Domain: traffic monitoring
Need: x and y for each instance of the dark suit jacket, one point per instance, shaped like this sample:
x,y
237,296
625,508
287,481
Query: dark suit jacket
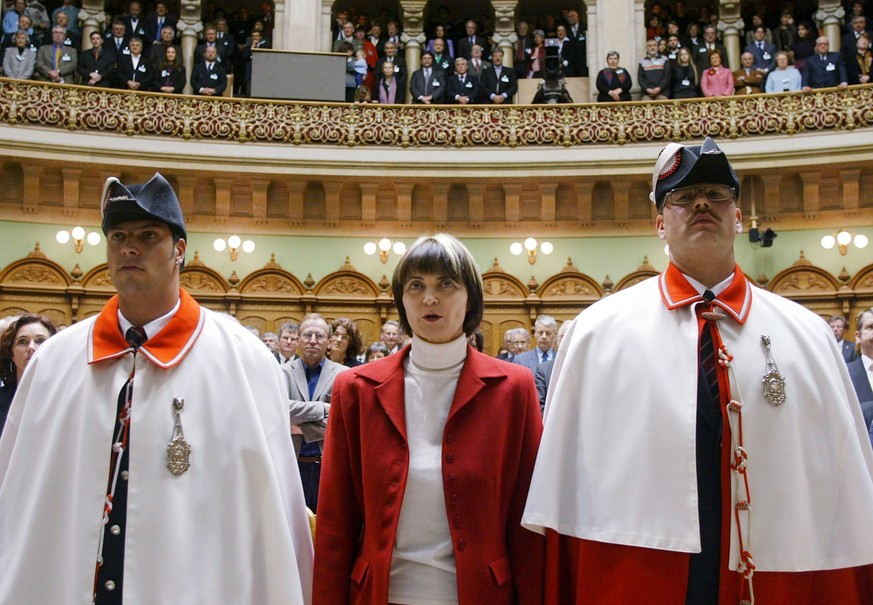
x,y
542,377
139,31
419,88
144,73
109,42
506,84
580,41
104,65
201,78
700,56
766,58
569,55
858,374
469,88
818,73
492,434
401,72
151,26
531,359
847,348
463,48
158,52
224,53
853,69
169,77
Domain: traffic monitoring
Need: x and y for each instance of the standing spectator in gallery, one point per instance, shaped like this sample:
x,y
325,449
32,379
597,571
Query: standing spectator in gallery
x,y
684,80
786,33
804,45
704,51
392,31
441,59
134,23
499,83
19,60
716,80
748,79
476,65
440,32
537,57
97,64
751,33
850,40
785,78
209,78
11,19
348,35
567,53
165,40
653,74
428,456
721,524
858,67
57,62
427,84
215,517
763,52
118,38
71,38
577,31
170,76
461,87
133,70
223,50
388,88
255,42
156,22
471,38
401,73
613,82
523,49
824,69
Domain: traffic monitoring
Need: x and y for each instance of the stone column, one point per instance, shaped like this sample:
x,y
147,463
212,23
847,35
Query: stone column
x,y
828,17
504,29
189,27
412,37
279,25
91,19
729,26
325,40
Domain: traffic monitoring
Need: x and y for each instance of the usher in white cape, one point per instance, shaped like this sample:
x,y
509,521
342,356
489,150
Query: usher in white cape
x,y
617,459
231,530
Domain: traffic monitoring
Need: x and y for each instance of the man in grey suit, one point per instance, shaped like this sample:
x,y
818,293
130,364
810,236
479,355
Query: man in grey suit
x,y
543,373
838,325
861,369
57,62
545,331
310,382
427,85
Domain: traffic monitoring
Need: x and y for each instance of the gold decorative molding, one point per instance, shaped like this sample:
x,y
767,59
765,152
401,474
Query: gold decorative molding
x,y
246,120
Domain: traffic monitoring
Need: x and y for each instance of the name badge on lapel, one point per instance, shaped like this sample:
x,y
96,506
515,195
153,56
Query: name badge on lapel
x,y
831,67
445,64
504,78
397,69
213,76
436,83
66,58
164,73
141,68
126,51
469,85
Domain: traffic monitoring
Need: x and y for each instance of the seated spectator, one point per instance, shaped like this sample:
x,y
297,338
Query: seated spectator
x,y
97,65
57,62
133,70
440,32
747,79
537,56
11,19
499,83
763,52
804,45
398,64
717,80
858,66
785,78
165,40
462,88
388,89
824,69
71,38
377,350
171,73
427,84
786,33
441,58
613,82
653,73
208,78
684,78
19,60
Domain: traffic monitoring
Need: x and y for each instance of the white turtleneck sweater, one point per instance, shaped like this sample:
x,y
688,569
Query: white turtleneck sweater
x,y
423,561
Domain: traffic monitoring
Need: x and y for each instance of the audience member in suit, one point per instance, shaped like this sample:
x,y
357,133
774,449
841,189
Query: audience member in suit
x,y
19,60
57,62
310,383
613,82
70,9
543,373
567,52
710,43
348,36
117,38
472,37
505,353
133,70
135,24
858,66
523,48
499,83
577,32
389,91
838,325
165,40
401,73
440,32
392,33
861,369
850,39
462,88
171,73
427,85
71,38
477,65
155,23
763,52
209,78
245,83
289,341
747,79
441,58
824,69
545,332
223,50
97,64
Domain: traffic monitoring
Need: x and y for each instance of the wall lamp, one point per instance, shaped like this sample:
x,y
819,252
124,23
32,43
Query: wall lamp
x,y
383,247
79,236
530,245
233,243
842,239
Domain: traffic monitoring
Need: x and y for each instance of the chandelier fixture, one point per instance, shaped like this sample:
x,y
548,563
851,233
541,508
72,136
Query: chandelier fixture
x,y
842,239
79,236
530,245
233,243
383,247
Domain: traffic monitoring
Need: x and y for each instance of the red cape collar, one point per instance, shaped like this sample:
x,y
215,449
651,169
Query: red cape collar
x,y
165,349
676,292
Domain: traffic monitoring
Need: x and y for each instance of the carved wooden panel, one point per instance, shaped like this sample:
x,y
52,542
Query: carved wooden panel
x,y
99,278
199,279
803,279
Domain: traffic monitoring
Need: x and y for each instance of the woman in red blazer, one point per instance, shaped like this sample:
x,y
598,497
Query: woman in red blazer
x,y
428,457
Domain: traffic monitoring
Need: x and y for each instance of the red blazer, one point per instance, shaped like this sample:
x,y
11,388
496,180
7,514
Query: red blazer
x,y
489,448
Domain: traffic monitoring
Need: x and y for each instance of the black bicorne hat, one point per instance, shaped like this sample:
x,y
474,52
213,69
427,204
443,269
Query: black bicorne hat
x,y
681,166
154,200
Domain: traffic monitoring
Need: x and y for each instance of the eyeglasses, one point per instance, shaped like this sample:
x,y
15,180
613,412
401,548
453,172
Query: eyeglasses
x,y
686,195
318,336
338,336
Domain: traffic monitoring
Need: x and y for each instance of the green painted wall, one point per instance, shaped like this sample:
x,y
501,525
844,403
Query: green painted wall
x,y
595,256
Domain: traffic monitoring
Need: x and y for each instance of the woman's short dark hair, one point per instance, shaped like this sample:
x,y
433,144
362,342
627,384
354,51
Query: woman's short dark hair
x,y
356,343
377,347
7,341
441,254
